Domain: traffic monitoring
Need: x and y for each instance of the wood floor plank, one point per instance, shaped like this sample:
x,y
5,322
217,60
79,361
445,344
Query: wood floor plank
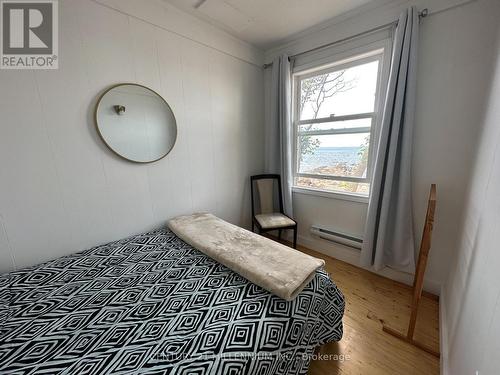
x,y
370,300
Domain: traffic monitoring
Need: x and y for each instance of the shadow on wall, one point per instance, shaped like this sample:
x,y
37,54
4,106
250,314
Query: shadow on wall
x,y
7,260
245,210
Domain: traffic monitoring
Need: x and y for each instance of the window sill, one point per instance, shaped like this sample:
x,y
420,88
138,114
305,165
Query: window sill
x,y
330,194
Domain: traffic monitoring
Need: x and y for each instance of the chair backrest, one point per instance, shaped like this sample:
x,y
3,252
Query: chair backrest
x,y
268,187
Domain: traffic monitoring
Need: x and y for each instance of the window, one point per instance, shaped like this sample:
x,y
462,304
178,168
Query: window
x,y
335,116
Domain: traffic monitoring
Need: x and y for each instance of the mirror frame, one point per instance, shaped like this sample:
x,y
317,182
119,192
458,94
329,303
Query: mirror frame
x,y
102,137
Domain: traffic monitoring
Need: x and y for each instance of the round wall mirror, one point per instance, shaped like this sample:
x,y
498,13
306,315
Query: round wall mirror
x,y
136,123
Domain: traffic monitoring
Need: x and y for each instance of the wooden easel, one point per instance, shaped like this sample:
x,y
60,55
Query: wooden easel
x,y
418,282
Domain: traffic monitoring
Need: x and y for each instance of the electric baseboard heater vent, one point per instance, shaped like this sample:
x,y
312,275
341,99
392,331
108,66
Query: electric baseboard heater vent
x,y
338,237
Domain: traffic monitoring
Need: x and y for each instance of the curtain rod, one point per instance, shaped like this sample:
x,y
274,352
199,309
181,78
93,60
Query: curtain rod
x,y
421,15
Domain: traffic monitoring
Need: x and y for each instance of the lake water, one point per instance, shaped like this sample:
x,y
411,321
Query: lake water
x,y
325,156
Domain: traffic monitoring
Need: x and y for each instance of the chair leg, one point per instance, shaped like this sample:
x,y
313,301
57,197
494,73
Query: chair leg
x,y
279,234
253,226
295,237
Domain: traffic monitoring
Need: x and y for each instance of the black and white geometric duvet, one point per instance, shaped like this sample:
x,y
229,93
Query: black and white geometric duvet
x,y
152,304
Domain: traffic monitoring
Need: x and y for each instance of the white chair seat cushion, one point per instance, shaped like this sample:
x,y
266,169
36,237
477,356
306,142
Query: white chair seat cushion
x,y
273,220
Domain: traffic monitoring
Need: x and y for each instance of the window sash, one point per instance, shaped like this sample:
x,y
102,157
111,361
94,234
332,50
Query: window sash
x,y
378,56
367,129
359,130
336,177
333,177
332,118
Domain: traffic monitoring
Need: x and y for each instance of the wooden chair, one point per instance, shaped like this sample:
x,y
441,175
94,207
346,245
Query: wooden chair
x,y
418,282
270,217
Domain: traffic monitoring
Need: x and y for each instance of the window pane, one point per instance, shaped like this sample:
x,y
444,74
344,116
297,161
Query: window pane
x,y
351,124
335,186
343,92
343,155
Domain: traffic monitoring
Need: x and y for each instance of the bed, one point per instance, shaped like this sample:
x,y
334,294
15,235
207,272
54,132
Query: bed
x,y
152,304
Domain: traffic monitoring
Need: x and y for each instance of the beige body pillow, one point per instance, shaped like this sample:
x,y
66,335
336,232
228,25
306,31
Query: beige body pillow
x,y
277,268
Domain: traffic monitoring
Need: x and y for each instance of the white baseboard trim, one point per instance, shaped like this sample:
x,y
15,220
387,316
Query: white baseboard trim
x,y
443,334
351,256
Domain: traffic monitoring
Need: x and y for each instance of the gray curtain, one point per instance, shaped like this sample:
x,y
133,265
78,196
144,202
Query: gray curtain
x,y
389,239
279,129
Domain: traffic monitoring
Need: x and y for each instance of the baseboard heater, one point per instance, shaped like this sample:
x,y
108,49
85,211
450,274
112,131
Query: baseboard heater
x,y
337,236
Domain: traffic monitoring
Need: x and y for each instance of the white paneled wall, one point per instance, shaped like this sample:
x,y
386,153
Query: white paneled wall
x,y
472,292
62,190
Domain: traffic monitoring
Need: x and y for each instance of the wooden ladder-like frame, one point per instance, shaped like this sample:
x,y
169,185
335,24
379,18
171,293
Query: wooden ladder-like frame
x,y
418,281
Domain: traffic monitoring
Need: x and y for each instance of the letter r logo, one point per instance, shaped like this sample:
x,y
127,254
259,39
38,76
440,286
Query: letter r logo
x,y
27,27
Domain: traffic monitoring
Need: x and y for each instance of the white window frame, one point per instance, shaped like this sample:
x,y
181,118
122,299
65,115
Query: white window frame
x,y
377,51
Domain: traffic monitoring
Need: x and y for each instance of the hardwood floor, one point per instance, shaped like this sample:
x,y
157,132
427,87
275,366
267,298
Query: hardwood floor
x,y
370,300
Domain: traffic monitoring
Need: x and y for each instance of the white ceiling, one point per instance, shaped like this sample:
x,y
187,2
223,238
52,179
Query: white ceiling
x,y
266,23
